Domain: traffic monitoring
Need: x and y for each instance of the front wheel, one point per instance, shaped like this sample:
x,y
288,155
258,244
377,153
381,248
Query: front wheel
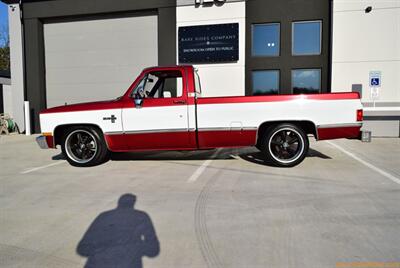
x,y
84,147
285,145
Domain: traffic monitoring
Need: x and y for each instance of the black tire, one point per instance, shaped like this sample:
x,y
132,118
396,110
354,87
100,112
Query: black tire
x,y
285,145
84,146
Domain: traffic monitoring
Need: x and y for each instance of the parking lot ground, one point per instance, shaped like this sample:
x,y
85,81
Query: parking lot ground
x,y
217,208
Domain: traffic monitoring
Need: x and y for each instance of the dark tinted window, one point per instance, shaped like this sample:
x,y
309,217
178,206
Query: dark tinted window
x,y
265,82
306,81
306,38
265,40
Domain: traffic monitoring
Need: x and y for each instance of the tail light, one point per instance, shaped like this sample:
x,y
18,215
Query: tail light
x,y
359,115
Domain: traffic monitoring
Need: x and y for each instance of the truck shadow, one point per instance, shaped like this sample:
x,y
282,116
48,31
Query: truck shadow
x,y
120,237
172,155
248,154
258,157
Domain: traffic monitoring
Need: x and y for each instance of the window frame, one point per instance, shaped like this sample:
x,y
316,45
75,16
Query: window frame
x,y
279,37
144,78
306,69
266,70
320,21
197,81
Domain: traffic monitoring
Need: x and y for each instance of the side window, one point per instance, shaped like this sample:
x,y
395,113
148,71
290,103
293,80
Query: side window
x,y
172,87
161,84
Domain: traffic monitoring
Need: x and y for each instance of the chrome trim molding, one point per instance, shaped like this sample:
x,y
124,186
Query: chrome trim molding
x,y
249,128
113,133
340,125
181,130
227,129
150,131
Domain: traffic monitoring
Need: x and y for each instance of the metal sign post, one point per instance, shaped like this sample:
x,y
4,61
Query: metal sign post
x,y
375,82
374,94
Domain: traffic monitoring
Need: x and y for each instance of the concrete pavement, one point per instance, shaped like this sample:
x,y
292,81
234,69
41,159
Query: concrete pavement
x,y
223,208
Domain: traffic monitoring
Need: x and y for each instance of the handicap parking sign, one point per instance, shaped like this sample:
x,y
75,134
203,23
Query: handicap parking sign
x,y
375,82
375,79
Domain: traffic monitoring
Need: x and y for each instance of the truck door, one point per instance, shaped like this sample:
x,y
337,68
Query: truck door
x,y
157,115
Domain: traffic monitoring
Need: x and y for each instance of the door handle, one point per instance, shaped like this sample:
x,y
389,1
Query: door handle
x,y
179,102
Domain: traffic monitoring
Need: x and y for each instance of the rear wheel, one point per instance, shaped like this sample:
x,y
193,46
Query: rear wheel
x,y
285,145
84,147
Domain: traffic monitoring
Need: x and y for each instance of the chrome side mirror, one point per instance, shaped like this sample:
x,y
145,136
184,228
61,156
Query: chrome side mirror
x,y
138,103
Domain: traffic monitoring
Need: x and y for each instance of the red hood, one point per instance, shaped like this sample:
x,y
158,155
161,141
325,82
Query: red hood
x,y
88,106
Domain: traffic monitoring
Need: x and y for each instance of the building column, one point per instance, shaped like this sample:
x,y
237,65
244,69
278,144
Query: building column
x,y
16,65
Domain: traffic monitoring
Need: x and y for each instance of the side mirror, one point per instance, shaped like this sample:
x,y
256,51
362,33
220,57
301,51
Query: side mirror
x,y
138,102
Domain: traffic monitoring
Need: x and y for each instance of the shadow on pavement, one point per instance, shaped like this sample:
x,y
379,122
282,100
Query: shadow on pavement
x,y
315,153
173,155
259,158
249,154
120,237
59,156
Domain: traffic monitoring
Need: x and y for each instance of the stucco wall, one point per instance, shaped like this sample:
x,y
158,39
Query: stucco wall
x,y
16,65
364,42
225,79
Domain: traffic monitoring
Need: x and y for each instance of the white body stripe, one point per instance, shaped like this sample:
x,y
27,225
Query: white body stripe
x,y
320,112
153,118
210,116
48,122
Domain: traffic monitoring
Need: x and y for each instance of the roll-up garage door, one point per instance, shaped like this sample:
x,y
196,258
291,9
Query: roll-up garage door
x,y
97,59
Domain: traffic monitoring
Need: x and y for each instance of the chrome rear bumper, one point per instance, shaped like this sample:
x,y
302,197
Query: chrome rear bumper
x,y
365,136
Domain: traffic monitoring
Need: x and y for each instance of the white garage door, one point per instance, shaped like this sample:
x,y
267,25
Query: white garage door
x,y
97,59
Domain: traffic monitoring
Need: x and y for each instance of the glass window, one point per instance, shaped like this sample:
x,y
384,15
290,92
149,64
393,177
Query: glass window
x,y
161,84
265,82
306,38
266,39
306,81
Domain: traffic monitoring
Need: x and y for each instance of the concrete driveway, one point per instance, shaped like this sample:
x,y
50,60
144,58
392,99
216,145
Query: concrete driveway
x,y
220,208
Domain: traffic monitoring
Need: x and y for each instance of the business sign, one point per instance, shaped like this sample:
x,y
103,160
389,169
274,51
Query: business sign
x,y
375,79
201,2
209,43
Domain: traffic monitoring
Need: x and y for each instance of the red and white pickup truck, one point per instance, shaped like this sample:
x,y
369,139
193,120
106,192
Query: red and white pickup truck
x,y
163,110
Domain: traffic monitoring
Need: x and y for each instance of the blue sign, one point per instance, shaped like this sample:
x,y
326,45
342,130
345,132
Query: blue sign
x,y
375,82
209,43
375,79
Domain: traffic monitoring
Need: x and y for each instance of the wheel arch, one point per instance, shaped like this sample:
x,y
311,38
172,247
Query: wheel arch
x,y
307,126
60,130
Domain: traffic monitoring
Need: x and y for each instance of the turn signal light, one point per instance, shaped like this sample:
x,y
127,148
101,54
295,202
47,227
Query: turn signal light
x,y
360,115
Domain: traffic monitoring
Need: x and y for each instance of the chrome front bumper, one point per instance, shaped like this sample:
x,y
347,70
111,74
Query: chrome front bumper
x,y
42,142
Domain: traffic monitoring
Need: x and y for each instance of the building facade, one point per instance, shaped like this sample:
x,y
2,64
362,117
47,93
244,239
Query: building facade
x,y
366,43
75,51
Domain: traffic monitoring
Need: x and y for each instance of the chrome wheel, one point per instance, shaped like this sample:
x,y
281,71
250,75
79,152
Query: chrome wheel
x,y
81,146
286,145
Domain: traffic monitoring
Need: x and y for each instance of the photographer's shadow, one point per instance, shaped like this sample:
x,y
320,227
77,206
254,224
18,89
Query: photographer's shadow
x,y
120,237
